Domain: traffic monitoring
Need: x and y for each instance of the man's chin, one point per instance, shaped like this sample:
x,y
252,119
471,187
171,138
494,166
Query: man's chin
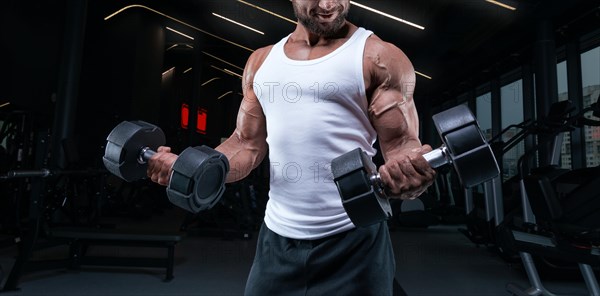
x,y
326,29
331,29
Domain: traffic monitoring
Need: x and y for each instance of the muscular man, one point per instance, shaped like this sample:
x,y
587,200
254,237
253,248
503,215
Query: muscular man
x,y
325,89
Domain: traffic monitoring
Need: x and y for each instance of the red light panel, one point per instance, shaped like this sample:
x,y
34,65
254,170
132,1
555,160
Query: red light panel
x,y
185,116
201,121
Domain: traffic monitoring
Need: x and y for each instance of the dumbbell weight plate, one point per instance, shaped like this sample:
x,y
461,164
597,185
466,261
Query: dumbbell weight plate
x,y
470,154
123,147
363,199
198,179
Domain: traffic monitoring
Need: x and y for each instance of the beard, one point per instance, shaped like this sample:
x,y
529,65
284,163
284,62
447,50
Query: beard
x,y
328,30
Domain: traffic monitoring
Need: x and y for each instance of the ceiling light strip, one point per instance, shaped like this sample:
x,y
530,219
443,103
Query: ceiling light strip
x,y
227,71
268,11
229,92
222,60
387,15
172,46
187,70
210,80
172,68
176,20
421,74
501,4
184,35
5,104
238,23
232,73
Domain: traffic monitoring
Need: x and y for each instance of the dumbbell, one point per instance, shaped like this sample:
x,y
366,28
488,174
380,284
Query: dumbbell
x,y
198,178
464,147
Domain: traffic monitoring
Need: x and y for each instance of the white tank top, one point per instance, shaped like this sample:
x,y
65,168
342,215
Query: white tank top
x,y
315,110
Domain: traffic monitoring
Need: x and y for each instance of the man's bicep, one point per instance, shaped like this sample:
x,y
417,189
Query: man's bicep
x,y
396,122
392,111
251,123
246,147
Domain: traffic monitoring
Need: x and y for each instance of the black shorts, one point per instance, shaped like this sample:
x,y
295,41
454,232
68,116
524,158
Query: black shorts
x,y
355,262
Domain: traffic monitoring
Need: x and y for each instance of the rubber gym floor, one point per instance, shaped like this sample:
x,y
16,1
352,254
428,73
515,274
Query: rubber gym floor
x,y
437,260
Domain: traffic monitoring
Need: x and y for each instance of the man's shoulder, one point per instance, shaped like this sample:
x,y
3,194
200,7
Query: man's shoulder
x,y
384,61
375,44
261,53
265,49
256,60
376,48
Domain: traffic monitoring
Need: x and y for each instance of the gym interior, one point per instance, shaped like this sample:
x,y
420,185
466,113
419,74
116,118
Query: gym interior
x,y
528,70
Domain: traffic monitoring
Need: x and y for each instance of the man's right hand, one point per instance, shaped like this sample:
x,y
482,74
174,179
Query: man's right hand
x,y
160,165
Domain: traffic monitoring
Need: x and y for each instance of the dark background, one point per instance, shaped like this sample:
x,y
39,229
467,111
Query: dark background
x,y
79,74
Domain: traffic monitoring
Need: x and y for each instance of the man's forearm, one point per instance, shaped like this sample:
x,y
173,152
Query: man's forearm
x,y
243,156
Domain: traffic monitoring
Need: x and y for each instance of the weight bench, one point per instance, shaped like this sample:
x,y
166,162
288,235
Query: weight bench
x,y
81,238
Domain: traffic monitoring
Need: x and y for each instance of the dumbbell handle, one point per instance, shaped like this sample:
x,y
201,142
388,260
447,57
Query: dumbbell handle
x,y
436,158
145,154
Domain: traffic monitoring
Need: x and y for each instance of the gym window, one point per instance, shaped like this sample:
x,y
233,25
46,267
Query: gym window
x,y
590,78
511,112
